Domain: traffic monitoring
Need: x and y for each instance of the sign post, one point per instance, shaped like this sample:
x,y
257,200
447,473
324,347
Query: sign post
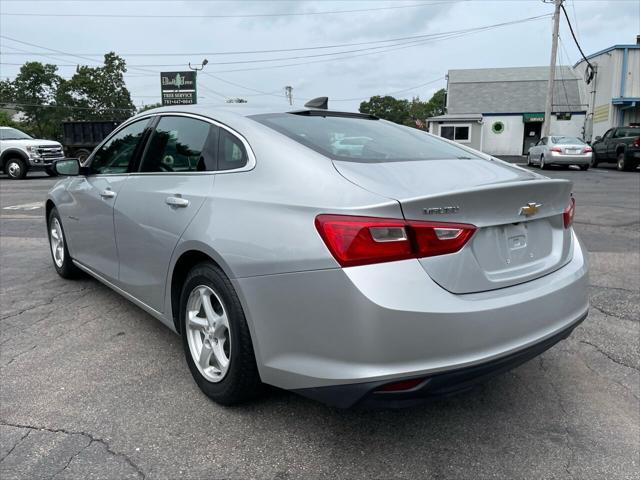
x,y
178,88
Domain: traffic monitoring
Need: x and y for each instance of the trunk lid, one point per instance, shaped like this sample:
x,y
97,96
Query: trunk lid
x,y
509,247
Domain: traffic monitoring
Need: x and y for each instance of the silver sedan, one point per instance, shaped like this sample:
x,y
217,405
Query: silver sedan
x,y
410,268
560,150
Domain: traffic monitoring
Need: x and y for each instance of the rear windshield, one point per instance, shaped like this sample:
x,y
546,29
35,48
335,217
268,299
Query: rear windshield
x,y
627,132
361,139
567,140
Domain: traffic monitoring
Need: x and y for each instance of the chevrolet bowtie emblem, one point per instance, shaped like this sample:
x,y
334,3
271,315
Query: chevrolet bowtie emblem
x,y
530,209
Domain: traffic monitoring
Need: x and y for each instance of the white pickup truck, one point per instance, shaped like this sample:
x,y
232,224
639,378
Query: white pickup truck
x,y
20,153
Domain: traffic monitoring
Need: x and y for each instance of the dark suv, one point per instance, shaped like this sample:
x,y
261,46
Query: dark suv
x,y
620,145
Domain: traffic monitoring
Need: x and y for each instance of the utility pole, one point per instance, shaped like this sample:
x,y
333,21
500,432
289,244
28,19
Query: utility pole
x,y
546,128
288,91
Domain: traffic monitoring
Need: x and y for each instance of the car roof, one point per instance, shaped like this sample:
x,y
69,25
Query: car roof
x,y
245,110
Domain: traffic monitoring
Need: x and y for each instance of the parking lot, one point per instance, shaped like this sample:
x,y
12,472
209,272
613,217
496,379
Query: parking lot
x,y
93,387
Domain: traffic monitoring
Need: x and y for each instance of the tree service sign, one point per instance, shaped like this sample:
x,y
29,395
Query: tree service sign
x,y
178,88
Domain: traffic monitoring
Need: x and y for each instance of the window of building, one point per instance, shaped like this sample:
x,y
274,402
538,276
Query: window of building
x,y
178,144
563,116
116,154
459,133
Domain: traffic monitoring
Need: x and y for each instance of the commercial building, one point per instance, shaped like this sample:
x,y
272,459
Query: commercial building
x,y
613,95
500,111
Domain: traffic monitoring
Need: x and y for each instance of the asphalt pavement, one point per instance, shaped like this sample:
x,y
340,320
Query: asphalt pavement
x,y
93,387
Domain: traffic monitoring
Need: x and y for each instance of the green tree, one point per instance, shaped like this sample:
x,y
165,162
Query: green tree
x,y
387,107
98,93
7,92
6,121
144,108
33,92
411,113
437,103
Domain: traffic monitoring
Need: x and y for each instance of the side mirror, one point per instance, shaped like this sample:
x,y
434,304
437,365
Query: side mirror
x,y
597,139
69,167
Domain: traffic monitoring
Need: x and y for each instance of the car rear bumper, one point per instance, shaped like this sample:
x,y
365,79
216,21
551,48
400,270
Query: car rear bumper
x,y
632,154
563,159
391,321
434,386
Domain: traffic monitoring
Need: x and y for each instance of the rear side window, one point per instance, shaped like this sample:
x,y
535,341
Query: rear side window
x,y
116,154
377,141
179,144
231,152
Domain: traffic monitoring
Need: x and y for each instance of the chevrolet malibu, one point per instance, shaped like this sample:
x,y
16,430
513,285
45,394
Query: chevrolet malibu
x,y
407,269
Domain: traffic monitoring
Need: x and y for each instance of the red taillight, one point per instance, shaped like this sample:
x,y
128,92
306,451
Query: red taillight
x,y
556,149
587,149
364,240
569,213
400,386
636,142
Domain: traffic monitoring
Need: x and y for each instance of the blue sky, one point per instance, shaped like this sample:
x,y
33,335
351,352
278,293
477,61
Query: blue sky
x,y
214,27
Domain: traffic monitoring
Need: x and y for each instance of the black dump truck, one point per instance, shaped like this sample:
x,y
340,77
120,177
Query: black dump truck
x,y
80,138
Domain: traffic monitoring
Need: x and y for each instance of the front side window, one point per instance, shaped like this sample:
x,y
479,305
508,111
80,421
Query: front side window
x,y
179,144
377,140
231,152
116,154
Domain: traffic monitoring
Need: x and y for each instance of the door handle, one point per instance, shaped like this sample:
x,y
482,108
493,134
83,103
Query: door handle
x,y
107,193
177,202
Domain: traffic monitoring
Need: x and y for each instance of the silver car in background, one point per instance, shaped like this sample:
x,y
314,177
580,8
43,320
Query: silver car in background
x,y
560,150
408,269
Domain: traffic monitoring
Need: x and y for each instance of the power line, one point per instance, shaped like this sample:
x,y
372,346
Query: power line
x,y
390,93
381,49
589,71
12,104
63,53
249,15
317,47
564,87
278,59
405,46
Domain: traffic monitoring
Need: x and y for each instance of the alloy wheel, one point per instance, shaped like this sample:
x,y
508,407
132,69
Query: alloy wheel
x,y
56,238
13,169
208,333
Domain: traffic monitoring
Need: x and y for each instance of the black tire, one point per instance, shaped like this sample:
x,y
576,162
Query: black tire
x,y
242,380
529,162
67,269
82,155
16,168
584,167
622,164
51,172
543,165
